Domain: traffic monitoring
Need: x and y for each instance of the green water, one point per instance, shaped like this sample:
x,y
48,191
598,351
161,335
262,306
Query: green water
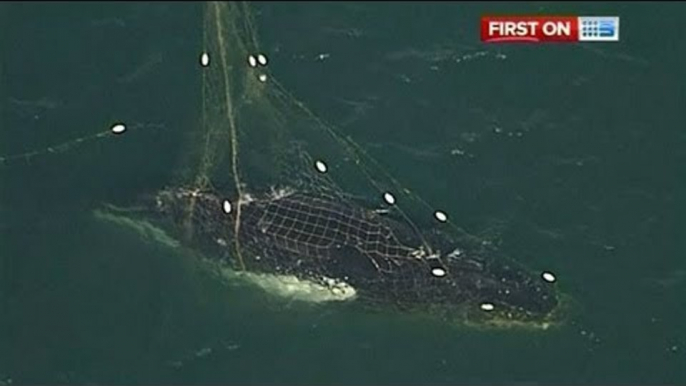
x,y
568,155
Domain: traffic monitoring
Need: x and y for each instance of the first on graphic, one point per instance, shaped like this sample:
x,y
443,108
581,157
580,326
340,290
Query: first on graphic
x,y
538,29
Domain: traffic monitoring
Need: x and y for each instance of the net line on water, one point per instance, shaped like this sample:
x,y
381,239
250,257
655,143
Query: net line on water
x,y
294,195
275,93
241,24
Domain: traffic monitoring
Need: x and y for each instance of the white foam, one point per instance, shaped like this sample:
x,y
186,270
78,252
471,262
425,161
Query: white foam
x,y
290,286
247,198
457,252
278,193
142,227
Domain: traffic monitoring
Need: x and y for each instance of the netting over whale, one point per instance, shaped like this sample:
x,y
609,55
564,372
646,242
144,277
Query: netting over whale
x,y
269,187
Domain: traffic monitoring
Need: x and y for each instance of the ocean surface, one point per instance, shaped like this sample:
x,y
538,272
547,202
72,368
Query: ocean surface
x,y
569,156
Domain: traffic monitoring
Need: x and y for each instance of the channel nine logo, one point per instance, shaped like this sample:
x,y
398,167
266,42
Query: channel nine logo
x,y
540,29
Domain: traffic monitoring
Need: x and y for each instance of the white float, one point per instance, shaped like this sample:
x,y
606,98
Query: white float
x,y
118,128
321,166
441,216
205,59
438,272
226,206
252,62
389,198
549,277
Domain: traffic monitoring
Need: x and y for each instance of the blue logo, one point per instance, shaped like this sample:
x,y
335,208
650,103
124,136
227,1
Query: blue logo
x,y
606,28
599,28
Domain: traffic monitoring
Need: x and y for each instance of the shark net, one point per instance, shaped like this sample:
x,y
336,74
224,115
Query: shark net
x,y
269,187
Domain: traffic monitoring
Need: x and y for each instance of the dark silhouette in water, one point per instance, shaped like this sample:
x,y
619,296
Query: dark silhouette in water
x,y
318,238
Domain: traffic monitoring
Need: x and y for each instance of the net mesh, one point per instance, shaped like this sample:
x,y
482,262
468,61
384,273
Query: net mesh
x,y
255,135
273,188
